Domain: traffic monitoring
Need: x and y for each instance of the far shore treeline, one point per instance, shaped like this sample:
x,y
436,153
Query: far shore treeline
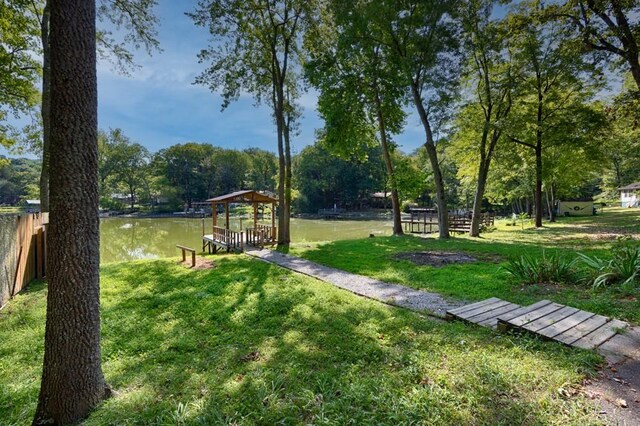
x,y
133,179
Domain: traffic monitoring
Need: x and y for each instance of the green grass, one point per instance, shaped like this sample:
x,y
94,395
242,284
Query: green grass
x,y
375,257
174,341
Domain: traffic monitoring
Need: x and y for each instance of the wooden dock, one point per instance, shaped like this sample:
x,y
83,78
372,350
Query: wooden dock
x,y
547,319
425,221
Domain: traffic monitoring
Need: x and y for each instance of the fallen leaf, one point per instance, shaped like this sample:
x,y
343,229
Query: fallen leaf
x,y
621,403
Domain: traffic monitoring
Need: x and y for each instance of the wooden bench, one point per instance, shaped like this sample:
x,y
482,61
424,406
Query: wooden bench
x,y
184,254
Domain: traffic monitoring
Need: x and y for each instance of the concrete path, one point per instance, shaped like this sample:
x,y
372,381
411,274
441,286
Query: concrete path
x,y
392,294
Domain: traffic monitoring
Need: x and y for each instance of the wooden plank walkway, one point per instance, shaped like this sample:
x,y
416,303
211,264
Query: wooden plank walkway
x,y
547,319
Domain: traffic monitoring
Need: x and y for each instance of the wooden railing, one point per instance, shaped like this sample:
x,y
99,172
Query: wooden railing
x,y
231,239
463,223
261,235
427,222
22,252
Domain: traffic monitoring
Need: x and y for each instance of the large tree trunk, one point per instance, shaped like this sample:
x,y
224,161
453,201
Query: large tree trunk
x,y
538,190
45,109
72,381
278,106
287,182
552,216
395,199
430,146
483,171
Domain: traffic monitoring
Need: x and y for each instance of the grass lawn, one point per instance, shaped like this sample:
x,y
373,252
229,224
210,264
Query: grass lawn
x,y
249,343
375,257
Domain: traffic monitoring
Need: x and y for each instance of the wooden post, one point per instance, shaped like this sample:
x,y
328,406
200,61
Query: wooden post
x,y
193,258
226,214
273,220
215,213
255,215
203,226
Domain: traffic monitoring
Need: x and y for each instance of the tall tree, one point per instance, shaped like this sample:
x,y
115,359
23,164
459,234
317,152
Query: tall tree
x,y
611,27
490,81
554,85
421,38
72,380
257,48
18,68
263,168
139,23
360,89
322,179
132,171
184,166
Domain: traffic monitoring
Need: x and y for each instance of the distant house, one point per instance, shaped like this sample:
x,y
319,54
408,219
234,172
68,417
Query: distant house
x,y
32,206
630,195
380,199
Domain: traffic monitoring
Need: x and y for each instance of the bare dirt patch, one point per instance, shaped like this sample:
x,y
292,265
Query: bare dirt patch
x,y
201,263
435,258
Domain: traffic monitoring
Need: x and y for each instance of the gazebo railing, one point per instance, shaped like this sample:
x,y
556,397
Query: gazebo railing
x,y
231,239
261,235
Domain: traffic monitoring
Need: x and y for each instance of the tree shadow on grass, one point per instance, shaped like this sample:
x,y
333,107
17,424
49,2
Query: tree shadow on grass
x,y
251,343
474,281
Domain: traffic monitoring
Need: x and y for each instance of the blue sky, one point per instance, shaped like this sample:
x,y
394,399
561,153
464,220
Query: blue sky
x,y
158,105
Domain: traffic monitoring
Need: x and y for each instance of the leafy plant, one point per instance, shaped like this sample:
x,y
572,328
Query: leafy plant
x,y
622,269
546,269
523,218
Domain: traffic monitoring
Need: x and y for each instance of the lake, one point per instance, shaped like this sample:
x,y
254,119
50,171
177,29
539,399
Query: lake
x,y
123,239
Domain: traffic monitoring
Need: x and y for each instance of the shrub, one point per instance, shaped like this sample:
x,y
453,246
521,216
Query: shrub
x,y
622,269
546,269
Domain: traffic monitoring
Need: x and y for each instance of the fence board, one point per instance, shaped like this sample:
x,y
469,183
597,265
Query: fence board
x,y
22,251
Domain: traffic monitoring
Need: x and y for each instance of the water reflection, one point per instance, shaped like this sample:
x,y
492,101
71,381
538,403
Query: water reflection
x,y
131,238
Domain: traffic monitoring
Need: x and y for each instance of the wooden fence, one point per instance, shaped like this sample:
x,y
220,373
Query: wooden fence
x,y
22,251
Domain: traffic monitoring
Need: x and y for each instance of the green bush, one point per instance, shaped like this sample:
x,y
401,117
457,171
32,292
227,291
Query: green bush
x,y
546,269
623,269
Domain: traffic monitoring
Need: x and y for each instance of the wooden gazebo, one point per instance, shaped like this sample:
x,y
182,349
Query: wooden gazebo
x,y
259,235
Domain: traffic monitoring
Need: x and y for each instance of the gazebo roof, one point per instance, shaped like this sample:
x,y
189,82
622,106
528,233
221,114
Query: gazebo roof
x,y
247,196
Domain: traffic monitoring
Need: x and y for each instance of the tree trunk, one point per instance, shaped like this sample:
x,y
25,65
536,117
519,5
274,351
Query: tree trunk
x,y
552,216
395,199
483,171
72,380
45,109
538,190
635,72
287,182
441,195
283,222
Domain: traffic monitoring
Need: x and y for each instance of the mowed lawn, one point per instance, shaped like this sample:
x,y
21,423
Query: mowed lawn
x,y
249,343
593,235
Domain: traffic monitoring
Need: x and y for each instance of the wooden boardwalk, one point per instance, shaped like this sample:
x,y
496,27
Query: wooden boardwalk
x,y
547,319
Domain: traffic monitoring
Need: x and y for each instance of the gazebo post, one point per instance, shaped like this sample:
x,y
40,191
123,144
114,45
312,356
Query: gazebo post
x,y
255,215
215,214
226,214
273,220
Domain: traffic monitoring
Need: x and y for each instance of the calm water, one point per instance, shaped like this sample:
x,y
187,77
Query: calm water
x,y
131,238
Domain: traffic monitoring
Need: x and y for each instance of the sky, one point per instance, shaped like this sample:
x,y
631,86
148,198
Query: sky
x,y
159,106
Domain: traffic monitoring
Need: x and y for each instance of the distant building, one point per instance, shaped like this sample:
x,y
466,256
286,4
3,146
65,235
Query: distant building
x,y
581,207
32,206
630,195
380,199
